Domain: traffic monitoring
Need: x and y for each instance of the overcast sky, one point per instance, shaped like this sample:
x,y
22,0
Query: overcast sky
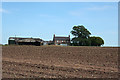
x,y
44,19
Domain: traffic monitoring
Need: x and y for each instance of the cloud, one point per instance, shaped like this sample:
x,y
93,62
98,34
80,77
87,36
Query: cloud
x,y
98,8
83,11
3,11
76,13
46,16
52,18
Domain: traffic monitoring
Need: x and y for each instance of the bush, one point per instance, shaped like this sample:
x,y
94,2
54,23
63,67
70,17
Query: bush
x,y
96,41
81,42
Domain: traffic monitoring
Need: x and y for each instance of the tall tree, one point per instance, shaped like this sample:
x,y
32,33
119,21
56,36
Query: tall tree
x,y
80,31
81,36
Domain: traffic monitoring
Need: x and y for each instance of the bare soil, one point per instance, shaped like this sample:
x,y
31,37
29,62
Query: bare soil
x,y
59,62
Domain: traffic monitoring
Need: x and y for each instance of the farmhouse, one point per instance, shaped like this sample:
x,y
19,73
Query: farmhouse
x,y
25,41
65,41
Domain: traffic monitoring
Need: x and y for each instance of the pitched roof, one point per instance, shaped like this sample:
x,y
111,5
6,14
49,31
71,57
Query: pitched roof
x,y
61,38
19,39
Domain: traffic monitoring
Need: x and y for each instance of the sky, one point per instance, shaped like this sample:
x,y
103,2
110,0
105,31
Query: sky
x,y
44,19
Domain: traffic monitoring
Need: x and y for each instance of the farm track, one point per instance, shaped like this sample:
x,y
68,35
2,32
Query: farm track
x,y
14,67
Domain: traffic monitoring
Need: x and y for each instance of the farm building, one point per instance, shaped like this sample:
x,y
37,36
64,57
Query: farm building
x,y
48,43
65,41
25,41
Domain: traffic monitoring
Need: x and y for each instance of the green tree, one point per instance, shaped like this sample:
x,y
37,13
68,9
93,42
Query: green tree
x,y
81,42
80,31
96,41
81,36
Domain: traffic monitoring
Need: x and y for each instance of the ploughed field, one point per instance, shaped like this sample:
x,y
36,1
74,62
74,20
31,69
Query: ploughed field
x,y
59,62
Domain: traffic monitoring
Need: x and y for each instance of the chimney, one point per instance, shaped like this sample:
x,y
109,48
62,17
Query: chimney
x,y
54,38
69,36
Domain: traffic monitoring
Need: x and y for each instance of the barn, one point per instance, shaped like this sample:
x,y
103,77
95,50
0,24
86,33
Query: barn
x,y
25,41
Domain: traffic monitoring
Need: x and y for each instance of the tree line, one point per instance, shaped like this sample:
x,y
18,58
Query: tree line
x,y
82,37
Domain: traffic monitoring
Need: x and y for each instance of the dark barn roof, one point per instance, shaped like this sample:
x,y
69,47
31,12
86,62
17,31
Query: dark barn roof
x,y
19,39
